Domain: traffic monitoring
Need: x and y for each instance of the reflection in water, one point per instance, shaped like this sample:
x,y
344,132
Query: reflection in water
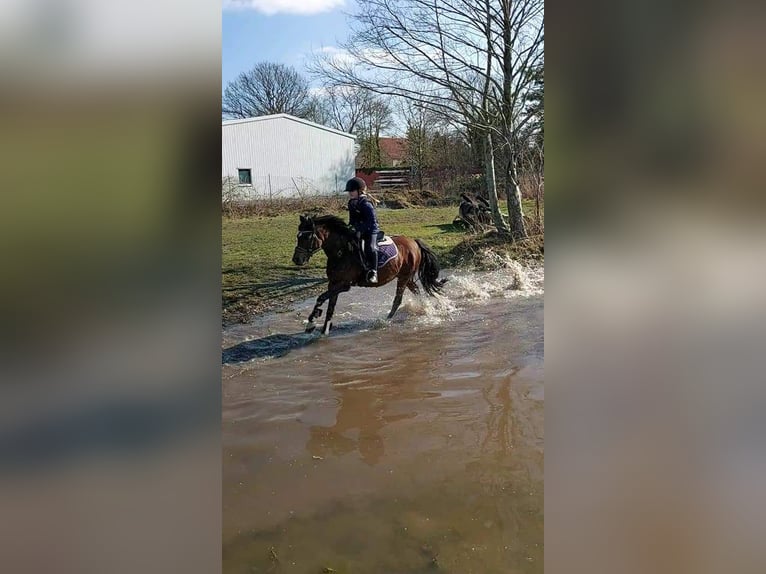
x,y
397,447
499,419
361,416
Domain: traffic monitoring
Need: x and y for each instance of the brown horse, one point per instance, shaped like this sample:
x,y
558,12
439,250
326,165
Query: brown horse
x,y
345,268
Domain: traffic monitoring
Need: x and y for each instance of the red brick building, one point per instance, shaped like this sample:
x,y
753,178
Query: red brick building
x,y
393,152
395,174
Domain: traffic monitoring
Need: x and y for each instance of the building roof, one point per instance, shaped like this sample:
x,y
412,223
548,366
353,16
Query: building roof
x,y
395,149
287,117
391,150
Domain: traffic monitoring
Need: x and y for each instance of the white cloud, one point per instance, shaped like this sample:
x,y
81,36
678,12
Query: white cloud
x,y
318,92
284,6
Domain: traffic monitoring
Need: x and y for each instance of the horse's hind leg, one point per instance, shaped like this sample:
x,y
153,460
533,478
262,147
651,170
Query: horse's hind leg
x,y
412,286
400,286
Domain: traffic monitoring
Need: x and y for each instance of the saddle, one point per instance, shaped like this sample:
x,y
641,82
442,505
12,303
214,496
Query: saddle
x,y
387,250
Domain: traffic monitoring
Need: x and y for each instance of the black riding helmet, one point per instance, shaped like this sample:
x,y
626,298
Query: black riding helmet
x,y
356,184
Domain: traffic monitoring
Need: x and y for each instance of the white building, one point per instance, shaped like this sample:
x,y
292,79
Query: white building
x,y
283,156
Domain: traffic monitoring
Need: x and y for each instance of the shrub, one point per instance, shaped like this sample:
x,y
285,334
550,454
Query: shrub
x,y
468,184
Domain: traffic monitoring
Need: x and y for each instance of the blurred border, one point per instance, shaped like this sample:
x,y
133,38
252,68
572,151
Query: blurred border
x,y
110,171
655,287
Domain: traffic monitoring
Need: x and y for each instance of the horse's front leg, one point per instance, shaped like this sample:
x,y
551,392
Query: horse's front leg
x,y
317,311
331,308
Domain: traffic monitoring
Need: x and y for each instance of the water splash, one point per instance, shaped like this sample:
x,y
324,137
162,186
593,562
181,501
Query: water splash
x,y
512,280
365,310
465,288
431,310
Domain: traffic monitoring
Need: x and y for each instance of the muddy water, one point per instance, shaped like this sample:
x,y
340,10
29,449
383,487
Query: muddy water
x,y
389,447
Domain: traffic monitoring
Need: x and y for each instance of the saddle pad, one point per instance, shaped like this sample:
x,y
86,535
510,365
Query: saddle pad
x,y
386,251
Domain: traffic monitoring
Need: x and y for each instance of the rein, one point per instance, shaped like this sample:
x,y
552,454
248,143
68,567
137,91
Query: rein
x,y
315,241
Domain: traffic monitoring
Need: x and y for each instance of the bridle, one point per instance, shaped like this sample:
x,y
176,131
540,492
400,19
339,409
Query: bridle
x,y
316,243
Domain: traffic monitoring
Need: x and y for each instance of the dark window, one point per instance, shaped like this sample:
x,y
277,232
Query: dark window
x,y
245,177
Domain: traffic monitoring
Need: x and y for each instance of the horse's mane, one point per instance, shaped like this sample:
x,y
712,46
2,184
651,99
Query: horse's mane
x,y
334,223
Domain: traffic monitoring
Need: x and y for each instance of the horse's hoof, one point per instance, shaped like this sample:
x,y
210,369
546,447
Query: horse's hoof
x,y
326,329
310,328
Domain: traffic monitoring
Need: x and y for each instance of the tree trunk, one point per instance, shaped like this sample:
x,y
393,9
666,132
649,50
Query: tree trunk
x,y
513,199
489,160
512,191
538,219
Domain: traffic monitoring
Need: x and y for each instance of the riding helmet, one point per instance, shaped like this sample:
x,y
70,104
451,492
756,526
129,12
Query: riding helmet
x,y
356,184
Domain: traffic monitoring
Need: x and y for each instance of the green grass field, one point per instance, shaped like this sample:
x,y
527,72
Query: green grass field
x,y
257,251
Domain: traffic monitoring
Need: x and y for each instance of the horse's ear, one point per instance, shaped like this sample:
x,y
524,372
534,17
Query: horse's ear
x,y
303,219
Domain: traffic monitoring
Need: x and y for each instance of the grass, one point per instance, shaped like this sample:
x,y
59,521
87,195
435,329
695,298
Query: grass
x,y
258,273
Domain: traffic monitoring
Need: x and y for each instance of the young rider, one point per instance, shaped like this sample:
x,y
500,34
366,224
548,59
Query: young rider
x,y
364,220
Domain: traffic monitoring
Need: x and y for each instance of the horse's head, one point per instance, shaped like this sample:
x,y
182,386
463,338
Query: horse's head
x,y
309,241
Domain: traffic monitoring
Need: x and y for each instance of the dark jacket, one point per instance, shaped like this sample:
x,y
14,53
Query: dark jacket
x,y
361,215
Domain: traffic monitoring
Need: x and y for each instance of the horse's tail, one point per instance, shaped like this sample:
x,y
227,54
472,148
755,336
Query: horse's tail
x,y
428,271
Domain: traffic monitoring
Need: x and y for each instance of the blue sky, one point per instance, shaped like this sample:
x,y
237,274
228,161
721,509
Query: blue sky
x,y
283,31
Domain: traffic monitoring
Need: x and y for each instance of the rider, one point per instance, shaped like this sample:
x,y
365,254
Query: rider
x,y
363,219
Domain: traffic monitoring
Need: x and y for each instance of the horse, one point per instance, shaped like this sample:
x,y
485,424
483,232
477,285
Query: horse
x,y
473,214
345,266
484,211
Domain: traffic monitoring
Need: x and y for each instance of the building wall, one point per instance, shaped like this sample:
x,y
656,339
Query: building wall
x,y
287,156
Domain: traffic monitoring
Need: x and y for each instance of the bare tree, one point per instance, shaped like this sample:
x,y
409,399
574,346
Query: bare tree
x,y
377,116
521,23
452,151
318,111
268,88
420,125
531,162
464,59
344,107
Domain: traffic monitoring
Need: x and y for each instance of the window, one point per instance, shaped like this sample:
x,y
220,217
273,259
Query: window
x,y
245,177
